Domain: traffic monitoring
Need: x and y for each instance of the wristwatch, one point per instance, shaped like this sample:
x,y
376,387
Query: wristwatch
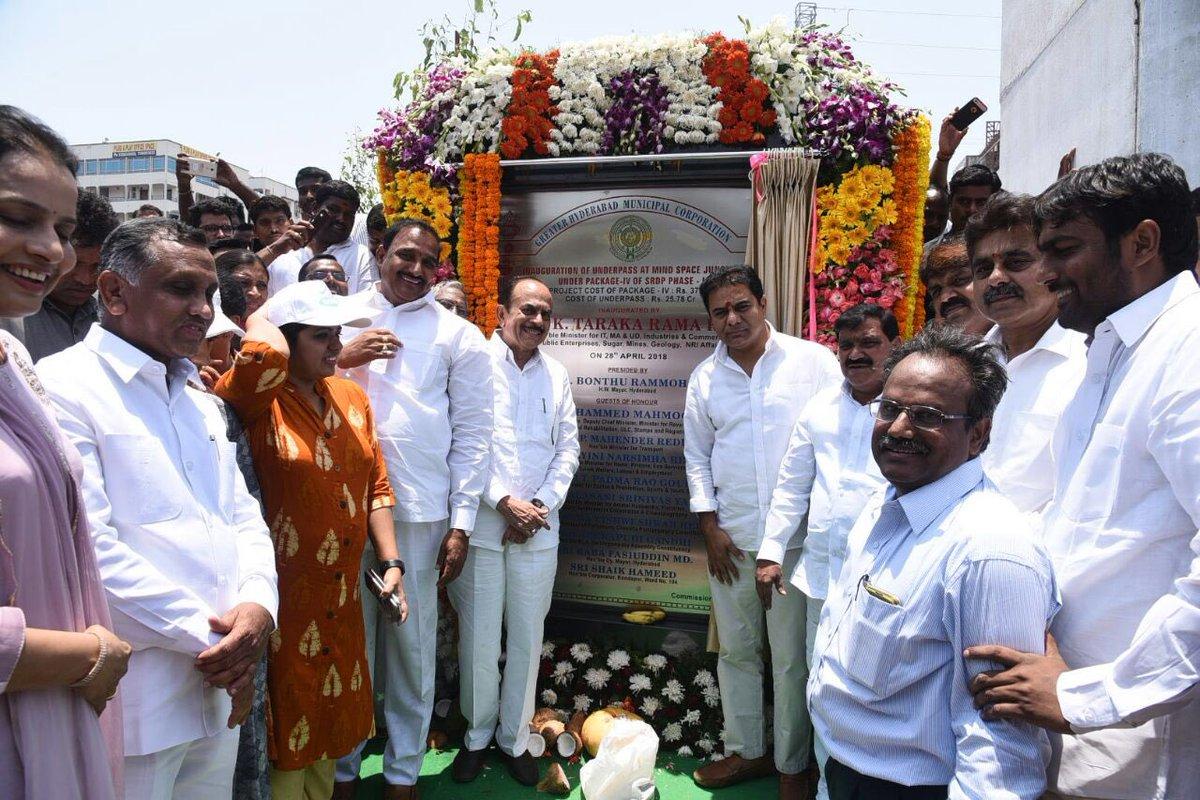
x,y
538,503
384,566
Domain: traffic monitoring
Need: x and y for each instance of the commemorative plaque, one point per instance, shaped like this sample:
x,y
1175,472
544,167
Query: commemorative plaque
x,y
624,263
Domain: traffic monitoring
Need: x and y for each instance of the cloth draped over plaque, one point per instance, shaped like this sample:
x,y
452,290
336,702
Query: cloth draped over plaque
x,y
781,228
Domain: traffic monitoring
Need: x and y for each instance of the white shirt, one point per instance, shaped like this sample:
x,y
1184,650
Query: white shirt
x,y
356,260
1122,530
888,689
1041,381
736,428
535,443
433,409
829,472
178,538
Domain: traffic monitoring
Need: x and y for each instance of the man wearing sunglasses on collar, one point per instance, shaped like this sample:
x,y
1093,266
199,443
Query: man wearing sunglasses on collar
x,y
937,562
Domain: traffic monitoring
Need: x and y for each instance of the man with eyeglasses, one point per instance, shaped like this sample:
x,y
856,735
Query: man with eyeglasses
x,y
331,224
213,217
742,403
937,562
950,289
828,474
327,269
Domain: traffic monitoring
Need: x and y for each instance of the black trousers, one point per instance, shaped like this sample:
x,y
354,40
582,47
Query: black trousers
x,y
848,784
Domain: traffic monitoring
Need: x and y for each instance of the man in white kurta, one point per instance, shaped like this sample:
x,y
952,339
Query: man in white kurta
x,y
742,403
509,573
1118,245
337,203
428,376
829,474
186,559
1045,362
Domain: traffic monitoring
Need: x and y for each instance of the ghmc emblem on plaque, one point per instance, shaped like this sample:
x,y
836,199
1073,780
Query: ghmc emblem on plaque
x,y
630,238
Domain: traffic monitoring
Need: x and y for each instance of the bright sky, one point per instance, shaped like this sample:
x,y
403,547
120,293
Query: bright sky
x,y
274,86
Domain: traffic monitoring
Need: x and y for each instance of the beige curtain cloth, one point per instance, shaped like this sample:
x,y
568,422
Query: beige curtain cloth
x,y
780,229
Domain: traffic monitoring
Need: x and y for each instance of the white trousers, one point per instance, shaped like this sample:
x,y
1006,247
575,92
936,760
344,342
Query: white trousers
x,y
408,654
197,770
510,586
814,606
741,625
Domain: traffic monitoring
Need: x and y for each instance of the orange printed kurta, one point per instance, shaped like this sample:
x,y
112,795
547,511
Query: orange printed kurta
x,y
320,478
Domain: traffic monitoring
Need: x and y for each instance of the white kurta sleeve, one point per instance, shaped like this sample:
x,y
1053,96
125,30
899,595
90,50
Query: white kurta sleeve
x,y
553,490
789,500
471,413
149,609
699,437
257,579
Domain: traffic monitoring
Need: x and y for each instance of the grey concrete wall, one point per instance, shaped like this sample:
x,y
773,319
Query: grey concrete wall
x,y
1168,112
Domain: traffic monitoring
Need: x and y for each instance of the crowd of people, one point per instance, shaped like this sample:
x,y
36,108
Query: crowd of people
x,y
240,459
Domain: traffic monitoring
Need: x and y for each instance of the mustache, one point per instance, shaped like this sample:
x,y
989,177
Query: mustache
x,y
994,293
860,362
889,442
953,303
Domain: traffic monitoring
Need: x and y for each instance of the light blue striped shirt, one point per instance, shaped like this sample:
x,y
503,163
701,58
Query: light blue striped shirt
x,y
888,690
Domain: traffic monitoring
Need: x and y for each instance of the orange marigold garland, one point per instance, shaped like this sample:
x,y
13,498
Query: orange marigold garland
x,y
528,119
479,236
911,169
745,114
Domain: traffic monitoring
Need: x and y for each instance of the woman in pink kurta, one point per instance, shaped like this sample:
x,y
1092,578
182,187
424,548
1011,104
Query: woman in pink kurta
x,y
56,740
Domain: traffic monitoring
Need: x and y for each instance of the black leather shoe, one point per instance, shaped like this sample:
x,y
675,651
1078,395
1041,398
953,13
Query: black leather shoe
x,y
468,764
523,768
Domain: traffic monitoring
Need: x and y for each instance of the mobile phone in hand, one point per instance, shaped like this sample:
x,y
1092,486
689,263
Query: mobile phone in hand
x,y
319,218
970,111
202,167
390,603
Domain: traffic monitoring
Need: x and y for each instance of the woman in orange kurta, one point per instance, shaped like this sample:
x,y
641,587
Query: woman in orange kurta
x,y
325,488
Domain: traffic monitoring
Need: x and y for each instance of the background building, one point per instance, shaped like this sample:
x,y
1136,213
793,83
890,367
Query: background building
x,y
1108,77
132,173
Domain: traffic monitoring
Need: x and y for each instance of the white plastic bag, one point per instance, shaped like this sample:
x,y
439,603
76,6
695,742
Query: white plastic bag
x,y
627,753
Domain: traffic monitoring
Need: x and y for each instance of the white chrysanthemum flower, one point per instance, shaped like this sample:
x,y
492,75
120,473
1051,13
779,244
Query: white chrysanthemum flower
x,y
703,678
717,757
549,697
597,678
706,744
582,702
673,691
581,652
654,662
692,717
673,732
547,649
685,751
712,696
639,683
618,659
649,706
563,672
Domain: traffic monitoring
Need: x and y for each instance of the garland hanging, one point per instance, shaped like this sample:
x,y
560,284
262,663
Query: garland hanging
x,y
911,172
479,237
744,116
528,118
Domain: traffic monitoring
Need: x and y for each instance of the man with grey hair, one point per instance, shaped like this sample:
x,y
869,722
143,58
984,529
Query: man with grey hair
x,y
184,554
937,562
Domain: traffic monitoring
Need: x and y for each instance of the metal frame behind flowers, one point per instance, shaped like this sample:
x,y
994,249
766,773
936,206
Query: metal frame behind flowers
x,y
777,86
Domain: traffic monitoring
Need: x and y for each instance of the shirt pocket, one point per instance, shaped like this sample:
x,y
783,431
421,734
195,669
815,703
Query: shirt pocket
x,y
141,482
873,642
1093,485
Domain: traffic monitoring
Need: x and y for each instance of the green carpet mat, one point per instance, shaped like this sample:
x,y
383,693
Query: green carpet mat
x,y
673,776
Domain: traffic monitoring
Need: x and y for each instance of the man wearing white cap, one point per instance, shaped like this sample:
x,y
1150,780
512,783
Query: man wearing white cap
x,y
186,559
429,378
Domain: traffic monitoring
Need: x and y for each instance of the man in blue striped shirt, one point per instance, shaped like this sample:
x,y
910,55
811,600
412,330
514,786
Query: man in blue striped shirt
x,y
937,562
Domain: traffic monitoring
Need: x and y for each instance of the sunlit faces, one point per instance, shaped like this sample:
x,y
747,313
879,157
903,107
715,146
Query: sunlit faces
x,y
328,270
937,211
166,314
315,352
270,225
410,265
952,294
216,226
79,284
525,322
1083,273
861,353
339,222
1008,287
452,298
966,202
307,191
911,457
254,279
37,218
738,317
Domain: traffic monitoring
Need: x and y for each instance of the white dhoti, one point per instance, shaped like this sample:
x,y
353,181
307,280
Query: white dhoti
x,y
197,770
512,586
741,624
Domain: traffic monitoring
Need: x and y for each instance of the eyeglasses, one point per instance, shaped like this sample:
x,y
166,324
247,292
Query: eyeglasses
x,y
217,228
923,417
325,276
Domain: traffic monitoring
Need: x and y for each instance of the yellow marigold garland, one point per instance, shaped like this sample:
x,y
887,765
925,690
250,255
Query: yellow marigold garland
x,y
851,212
479,236
911,169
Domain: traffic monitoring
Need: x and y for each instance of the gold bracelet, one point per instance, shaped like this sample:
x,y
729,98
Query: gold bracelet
x,y
91,676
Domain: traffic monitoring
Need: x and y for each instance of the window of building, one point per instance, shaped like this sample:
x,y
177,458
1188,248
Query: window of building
x,y
170,164
139,192
159,163
170,192
113,166
156,192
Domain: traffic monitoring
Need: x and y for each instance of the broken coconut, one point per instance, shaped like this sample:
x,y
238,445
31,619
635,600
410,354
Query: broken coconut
x,y
555,781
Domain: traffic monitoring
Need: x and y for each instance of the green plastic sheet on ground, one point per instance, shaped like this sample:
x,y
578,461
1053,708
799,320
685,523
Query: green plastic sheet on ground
x,y
673,777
